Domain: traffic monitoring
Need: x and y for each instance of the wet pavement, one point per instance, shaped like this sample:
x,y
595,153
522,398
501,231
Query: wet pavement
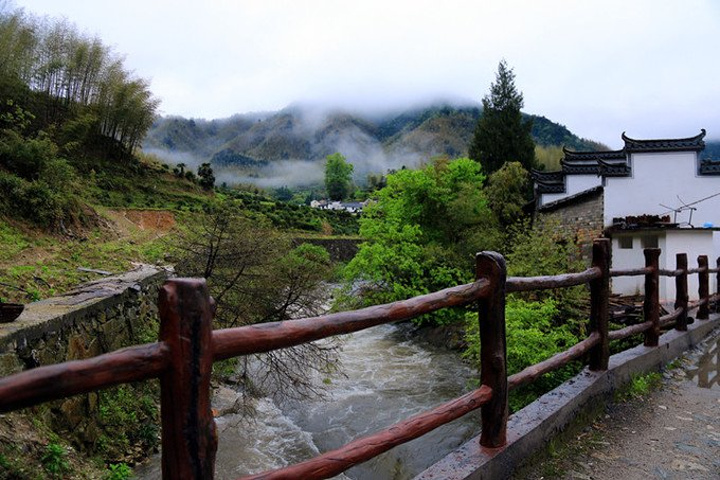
x,y
672,433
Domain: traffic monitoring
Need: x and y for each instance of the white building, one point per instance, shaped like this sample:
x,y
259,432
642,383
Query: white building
x,y
652,193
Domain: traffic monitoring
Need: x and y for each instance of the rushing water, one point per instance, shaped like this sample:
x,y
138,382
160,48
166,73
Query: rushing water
x,y
389,377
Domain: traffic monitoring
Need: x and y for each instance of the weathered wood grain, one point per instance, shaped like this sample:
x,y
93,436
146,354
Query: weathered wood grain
x,y
265,337
493,349
51,382
559,360
189,436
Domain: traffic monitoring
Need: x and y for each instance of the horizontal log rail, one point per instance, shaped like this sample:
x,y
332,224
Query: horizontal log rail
x,y
557,361
337,461
264,337
524,284
630,272
629,331
52,382
671,317
187,348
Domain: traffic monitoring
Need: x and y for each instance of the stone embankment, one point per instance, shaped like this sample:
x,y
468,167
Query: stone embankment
x,y
96,318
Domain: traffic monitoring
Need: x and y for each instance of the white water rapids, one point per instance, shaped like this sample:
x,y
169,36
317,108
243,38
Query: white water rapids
x,y
389,377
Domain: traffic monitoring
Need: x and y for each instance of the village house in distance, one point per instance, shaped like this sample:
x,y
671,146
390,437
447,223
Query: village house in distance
x,y
651,193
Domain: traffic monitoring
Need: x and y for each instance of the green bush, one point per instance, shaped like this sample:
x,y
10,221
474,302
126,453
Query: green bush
x,y
532,336
54,460
118,471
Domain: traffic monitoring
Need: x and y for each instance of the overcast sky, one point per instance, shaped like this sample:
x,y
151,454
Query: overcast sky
x,y
650,68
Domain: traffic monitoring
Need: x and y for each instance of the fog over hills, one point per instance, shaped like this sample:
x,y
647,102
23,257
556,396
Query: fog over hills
x,y
288,147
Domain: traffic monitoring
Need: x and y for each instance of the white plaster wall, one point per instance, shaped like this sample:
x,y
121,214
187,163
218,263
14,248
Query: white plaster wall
x,y
694,243
660,178
574,184
623,259
671,242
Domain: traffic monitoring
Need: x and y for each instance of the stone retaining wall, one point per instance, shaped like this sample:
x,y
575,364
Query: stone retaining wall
x,y
96,318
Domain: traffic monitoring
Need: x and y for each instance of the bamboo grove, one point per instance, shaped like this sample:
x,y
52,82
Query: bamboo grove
x,y
50,66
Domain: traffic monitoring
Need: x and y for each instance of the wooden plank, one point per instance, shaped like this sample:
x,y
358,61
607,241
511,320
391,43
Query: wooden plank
x,y
51,382
265,337
337,461
189,436
493,350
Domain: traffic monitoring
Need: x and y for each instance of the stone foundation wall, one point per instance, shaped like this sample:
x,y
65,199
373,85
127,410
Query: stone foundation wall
x,y
96,318
582,219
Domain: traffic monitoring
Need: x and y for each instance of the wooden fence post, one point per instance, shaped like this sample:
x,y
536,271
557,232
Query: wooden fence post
x,y
681,291
189,437
651,304
704,288
493,351
599,304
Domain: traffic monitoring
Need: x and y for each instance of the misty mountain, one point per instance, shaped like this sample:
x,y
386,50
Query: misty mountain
x,y
288,147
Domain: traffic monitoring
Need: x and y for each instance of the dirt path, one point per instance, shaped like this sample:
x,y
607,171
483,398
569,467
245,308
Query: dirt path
x,y
673,433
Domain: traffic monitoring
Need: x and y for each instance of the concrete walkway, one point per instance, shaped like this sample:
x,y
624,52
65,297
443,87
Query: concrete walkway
x,y
671,434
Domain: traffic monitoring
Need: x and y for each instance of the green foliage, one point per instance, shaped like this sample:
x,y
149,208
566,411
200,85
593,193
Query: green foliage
x,y
54,460
206,176
118,471
338,177
533,335
506,190
293,216
422,232
548,157
129,416
546,249
501,134
640,385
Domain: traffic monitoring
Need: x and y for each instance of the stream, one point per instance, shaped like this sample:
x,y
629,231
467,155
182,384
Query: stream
x,y
389,376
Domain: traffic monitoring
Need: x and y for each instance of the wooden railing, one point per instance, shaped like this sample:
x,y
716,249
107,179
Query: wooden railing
x,y
187,348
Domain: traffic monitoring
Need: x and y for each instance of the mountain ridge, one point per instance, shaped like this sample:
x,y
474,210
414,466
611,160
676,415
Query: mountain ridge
x,y
268,147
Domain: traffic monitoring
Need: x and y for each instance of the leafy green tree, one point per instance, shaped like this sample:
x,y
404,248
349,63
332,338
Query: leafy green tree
x,y
506,191
422,232
501,135
206,176
338,177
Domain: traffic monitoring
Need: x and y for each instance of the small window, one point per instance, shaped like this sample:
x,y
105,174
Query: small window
x,y
649,241
625,242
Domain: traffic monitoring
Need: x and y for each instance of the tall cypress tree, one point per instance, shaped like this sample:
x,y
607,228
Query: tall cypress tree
x,y
501,135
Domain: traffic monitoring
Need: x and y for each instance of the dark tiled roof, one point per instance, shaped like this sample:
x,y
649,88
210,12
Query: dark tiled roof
x,y
695,143
578,197
614,169
548,182
710,167
573,156
588,167
614,163
547,177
